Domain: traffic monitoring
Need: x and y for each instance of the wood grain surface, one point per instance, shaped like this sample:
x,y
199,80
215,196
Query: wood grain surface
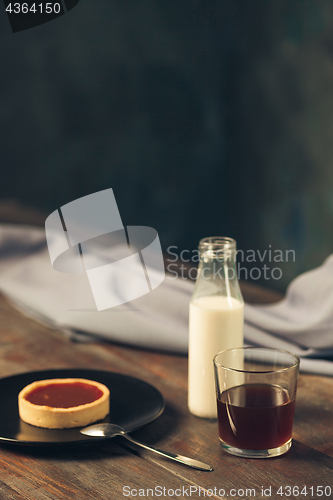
x,y
114,469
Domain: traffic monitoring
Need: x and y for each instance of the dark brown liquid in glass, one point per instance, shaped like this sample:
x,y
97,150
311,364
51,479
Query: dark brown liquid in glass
x,y
64,395
255,416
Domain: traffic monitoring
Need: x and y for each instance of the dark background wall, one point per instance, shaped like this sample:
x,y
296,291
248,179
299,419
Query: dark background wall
x,y
205,117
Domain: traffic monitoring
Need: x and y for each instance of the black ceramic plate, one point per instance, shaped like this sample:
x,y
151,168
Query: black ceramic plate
x,y
133,404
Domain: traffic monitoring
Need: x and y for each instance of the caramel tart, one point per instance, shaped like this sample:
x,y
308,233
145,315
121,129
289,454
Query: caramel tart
x,y
63,403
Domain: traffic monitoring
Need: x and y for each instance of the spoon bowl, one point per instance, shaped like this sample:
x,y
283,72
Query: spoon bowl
x,y
100,430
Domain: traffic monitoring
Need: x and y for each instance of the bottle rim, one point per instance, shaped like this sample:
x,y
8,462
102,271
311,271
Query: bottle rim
x,y
217,243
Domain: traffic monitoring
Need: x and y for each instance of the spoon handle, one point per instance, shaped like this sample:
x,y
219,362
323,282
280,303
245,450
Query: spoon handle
x,y
195,464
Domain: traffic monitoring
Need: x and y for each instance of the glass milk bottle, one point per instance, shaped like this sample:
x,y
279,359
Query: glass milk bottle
x,y
216,320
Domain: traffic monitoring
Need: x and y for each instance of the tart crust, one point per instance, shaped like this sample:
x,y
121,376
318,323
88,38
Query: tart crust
x,y
51,417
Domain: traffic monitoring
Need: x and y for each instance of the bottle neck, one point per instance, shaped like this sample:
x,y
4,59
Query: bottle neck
x,y
218,255
217,274
217,267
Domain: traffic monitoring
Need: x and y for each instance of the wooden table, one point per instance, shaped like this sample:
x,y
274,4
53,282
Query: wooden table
x,y
113,469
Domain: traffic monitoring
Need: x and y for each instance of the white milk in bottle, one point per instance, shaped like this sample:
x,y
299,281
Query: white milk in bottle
x,y
216,320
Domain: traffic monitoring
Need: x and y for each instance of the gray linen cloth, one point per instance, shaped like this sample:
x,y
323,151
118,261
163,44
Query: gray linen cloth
x,y
301,323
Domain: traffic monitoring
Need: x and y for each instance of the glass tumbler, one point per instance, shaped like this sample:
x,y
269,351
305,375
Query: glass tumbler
x,y
256,391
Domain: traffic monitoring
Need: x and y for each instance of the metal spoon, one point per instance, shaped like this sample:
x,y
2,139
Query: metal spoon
x,y
111,430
